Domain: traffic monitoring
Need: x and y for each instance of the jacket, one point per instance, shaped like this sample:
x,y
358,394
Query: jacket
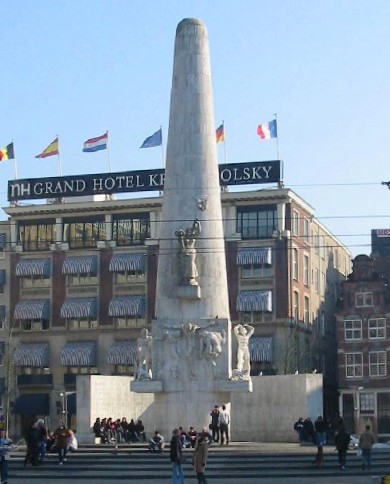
x,y
200,456
175,452
6,446
366,440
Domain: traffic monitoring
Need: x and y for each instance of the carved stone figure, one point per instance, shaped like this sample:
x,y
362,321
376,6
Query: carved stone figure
x,y
243,332
211,343
188,344
144,355
187,253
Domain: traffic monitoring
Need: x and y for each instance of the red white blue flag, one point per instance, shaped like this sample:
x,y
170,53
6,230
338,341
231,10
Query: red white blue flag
x,y
96,144
268,130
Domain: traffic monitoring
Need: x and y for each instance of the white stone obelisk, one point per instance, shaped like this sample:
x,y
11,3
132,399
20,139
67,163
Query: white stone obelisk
x,y
191,349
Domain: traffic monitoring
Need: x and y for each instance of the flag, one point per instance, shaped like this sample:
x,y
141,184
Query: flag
x,y
96,144
51,150
7,153
154,140
268,130
220,134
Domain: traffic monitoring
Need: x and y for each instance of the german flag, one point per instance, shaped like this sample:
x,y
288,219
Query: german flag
x,y
51,150
7,153
220,134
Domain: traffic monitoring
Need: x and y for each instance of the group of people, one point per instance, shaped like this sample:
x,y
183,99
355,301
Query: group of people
x,y
219,425
119,431
324,432
40,441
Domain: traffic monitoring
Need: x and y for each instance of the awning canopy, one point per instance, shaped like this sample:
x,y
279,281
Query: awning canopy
x,y
127,262
32,354
79,353
79,307
33,404
34,309
2,276
254,301
80,265
256,256
2,241
122,353
260,348
127,306
2,313
33,267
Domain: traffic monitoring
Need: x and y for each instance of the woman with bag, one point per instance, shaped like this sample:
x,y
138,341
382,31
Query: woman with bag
x,y
176,456
200,458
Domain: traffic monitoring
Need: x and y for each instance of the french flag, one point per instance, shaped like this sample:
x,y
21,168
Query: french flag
x,y
268,130
96,144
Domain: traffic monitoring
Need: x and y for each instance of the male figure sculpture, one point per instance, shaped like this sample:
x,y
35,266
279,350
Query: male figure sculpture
x,y
144,355
243,332
187,253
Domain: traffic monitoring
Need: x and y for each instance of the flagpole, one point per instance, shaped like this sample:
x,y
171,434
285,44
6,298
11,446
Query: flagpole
x,y
109,153
277,137
162,149
224,142
15,163
59,156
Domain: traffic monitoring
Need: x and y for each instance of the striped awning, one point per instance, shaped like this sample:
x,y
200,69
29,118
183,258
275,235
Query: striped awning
x,y
254,301
122,353
80,265
260,348
127,306
2,276
2,241
2,313
127,262
32,354
79,307
79,353
256,256
34,309
33,267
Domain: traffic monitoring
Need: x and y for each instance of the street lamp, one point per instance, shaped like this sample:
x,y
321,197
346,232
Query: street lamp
x,y
64,396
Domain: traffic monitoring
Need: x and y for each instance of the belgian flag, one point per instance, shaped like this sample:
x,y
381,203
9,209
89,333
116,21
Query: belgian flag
x,y
7,153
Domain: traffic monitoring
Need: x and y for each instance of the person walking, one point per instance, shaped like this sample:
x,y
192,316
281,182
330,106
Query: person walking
x,y
200,458
223,422
61,435
214,425
176,455
342,439
6,446
366,441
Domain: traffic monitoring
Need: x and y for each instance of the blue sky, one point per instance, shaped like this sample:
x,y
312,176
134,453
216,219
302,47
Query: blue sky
x,y
77,68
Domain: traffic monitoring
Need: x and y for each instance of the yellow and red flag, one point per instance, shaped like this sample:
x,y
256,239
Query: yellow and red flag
x,y
51,150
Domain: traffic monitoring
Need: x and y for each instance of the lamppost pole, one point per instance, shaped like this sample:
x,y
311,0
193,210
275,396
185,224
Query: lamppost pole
x,y
8,379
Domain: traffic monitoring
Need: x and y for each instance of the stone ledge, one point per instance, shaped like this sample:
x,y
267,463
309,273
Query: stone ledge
x,y
188,292
146,386
241,386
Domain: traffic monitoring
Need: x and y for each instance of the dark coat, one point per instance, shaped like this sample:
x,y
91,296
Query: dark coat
x,y
175,452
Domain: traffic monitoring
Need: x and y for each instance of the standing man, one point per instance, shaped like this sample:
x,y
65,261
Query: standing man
x,y
214,426
200,458
224,421
366,441
61,435
176,455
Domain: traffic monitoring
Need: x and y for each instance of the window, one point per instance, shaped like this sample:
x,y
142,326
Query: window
x,y
321,245
128,370
252,317
82,279
82,370
306,316
306,270
367,403
315,242
76,324
34,281
377,328
84,232
352,329
377,360
38,235
256,270
323,283
363,299
296,306
306,230
317,281
295,223
127,277
131,229
354,365
129,322
295,262
35,325
257,222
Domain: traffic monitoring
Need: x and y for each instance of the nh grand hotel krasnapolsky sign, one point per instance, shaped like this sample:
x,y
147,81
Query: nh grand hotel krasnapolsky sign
x,y
255,172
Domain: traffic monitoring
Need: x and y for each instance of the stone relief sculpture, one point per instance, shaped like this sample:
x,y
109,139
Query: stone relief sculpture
x,y
243,332
211,343
187,253
144,355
